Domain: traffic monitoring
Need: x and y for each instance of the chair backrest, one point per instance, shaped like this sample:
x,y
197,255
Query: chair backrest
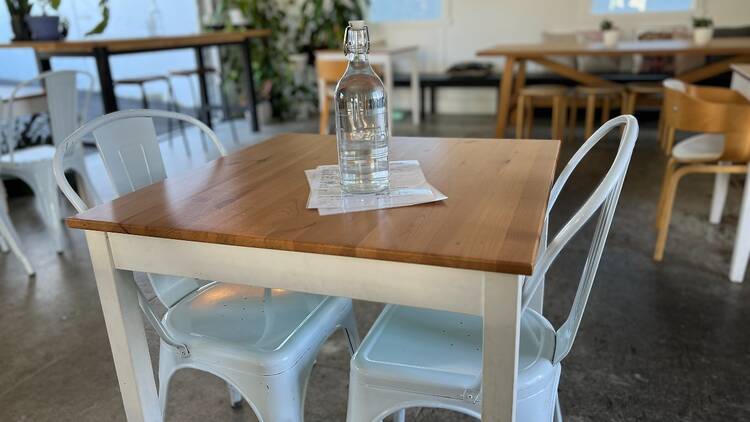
x,y
62,103
604,199
711,110
330,71
129,148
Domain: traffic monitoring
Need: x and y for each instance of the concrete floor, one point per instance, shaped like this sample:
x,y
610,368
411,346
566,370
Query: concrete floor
x,y
659,341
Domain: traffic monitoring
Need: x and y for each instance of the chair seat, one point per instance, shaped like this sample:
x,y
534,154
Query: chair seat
x,y
440,353
703,147
140,80
645,88
263,331
544,90
599,90
31,154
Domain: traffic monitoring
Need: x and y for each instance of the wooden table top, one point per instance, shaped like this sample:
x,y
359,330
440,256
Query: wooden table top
x,y
492,220
717,46
124,45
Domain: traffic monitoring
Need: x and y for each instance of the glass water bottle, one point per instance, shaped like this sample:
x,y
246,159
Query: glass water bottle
x,y
361,118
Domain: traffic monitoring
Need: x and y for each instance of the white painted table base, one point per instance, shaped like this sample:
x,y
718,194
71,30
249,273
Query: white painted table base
x,y
495,296
741,253
385,57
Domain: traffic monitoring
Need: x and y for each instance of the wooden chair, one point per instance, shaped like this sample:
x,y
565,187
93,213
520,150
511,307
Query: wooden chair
x,y
636,91
329,72
722,147
604,96
557,94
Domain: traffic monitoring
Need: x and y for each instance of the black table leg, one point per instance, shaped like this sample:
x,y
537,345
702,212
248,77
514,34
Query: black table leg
x,y
250,83
109,100
433,100
42,62
205,111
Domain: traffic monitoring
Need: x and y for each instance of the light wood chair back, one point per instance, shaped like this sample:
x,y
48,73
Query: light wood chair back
x,y
330,71
711,110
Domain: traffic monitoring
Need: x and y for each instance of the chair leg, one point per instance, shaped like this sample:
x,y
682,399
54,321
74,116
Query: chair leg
x,y
325,115
573,118
172,101
606,106
590,110
351,331
45,189
529,118
400,416
558,412
666,213
668,172
520,108
235,397
555,116
12,242
669,140
719,197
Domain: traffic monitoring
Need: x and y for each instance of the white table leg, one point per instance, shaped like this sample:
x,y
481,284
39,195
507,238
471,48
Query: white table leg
x,y
742,240
719,198
122,315
388,73
415,94
501,315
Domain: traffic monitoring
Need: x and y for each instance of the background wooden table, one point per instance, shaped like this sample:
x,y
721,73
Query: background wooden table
x,y
242,219
738,50
102,49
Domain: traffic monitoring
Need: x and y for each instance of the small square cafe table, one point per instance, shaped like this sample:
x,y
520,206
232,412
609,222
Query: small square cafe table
x,y
242,219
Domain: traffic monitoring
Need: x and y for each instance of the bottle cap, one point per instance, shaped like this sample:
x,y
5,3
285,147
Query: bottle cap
x,y
357,24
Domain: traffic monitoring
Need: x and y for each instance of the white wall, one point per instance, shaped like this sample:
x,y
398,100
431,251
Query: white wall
x,y
472,25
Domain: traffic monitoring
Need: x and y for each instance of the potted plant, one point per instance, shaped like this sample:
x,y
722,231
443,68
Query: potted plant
x,y
322,23
18,10
610,34
703,30
45,27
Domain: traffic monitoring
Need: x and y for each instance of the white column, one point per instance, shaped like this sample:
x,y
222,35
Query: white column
x,y
122,315
501,317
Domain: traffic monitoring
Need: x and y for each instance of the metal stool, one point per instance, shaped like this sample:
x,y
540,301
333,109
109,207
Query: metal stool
x,y
208,107
558,94
606,95
171,101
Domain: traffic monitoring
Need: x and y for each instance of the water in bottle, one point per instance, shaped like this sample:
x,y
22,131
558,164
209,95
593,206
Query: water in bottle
x,y
361,118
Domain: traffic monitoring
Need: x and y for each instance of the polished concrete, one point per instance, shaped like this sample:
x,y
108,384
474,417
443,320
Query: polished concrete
x,y
659,341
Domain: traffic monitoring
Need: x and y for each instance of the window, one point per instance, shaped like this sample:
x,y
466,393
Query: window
x,y
405,10
640,6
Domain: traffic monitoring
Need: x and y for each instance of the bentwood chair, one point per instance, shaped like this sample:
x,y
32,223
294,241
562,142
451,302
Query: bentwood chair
x,y
425,358
329,72
33,165
262,342
721,117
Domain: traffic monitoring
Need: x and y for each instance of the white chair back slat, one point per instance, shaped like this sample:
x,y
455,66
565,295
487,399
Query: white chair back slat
x,y
603,200
129,148
62,103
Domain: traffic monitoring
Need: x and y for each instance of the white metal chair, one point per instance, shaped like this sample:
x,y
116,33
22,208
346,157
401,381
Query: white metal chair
x,y
9,240
33,165
262,342
425,358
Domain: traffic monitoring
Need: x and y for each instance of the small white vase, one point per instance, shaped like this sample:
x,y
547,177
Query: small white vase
x,y
702,36
610,37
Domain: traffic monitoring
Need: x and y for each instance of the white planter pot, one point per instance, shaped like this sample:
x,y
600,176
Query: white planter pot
x,y
611,37
236,17
701,36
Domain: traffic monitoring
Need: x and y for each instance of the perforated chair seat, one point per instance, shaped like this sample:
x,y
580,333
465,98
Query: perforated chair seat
x,y
703,147
190,72
264,331
140,80
544,90
599,90
440,353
